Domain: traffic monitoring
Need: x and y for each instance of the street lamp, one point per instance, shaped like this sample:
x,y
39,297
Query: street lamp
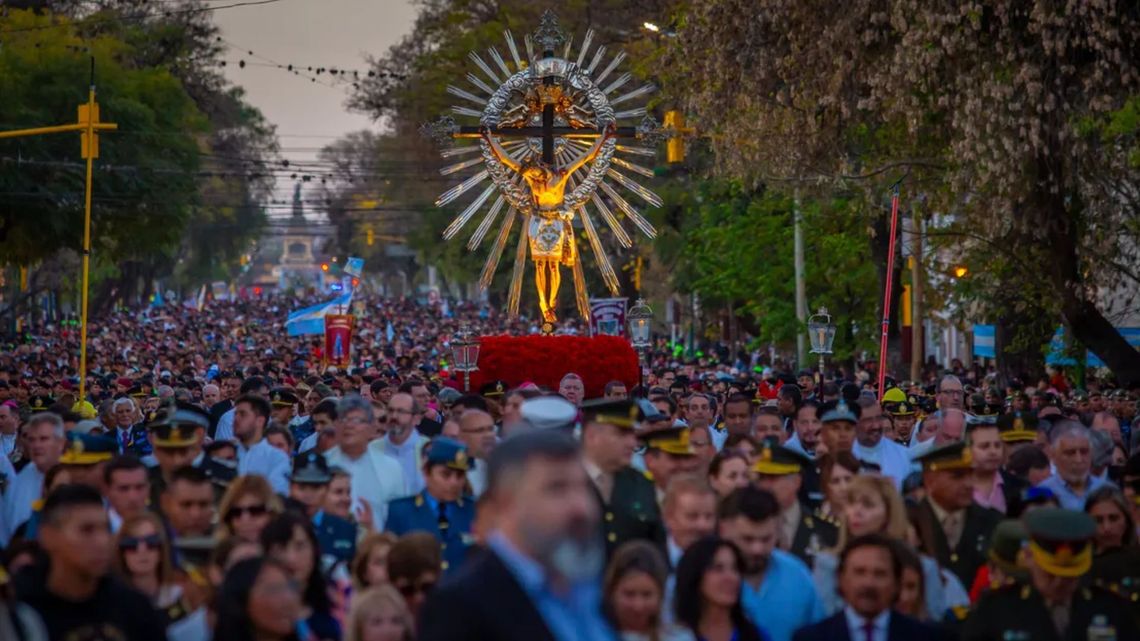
x,y
465,355
821,332
638,319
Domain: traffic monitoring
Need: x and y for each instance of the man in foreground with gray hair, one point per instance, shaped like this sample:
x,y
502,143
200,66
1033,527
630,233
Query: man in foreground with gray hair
x,y
44,438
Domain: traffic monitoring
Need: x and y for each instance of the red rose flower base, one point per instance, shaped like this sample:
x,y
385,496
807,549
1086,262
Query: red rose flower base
x,y
544,360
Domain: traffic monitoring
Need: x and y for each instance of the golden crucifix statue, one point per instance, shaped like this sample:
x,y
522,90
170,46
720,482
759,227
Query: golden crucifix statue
x,y
550,231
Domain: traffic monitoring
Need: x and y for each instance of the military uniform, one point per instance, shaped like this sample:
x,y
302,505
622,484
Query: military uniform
x,y
812,534
335,536
450,523
1060,544
176,426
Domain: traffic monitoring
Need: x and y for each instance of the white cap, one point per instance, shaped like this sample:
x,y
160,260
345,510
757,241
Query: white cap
x,y
547,412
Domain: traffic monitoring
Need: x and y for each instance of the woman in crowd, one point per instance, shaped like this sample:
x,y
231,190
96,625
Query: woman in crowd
x,y
413,568
370,567
379,614
144,560
911,600
248,505
746,445
873,506
338,501
259,601
290,539
728,471
634,591
835,474
1114,527
707,597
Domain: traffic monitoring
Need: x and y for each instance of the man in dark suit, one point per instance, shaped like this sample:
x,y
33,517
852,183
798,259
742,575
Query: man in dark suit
x,y
870,574
540,578
627,499
952,528
308,487
780,471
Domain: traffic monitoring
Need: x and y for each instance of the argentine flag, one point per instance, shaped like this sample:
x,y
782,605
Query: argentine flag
x,y
311,320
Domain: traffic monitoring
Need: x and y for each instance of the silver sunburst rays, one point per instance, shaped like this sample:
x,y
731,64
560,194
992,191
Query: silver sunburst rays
x,y
513,101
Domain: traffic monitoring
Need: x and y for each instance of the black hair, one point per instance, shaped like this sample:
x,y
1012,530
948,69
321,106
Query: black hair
x,y
121,463
691,570
259,405
279,532
252,384
668,400
1025,459
792,392
516,451
471,402
721,457
66,497
232,604
188,474
610,386
874,540
751,502
739,398
277,429
327,407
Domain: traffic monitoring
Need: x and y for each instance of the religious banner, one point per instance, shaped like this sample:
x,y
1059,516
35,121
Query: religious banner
x,y
607,316
338,339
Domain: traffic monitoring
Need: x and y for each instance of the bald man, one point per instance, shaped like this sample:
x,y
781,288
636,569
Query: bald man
x,y
477,432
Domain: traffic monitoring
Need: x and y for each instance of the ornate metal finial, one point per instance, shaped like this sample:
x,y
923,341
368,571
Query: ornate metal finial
x,y
441,131
549,35
650,131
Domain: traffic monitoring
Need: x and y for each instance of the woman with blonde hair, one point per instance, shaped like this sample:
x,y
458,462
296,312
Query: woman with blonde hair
x,y
379,614
370,566
872,505
248,505
144,560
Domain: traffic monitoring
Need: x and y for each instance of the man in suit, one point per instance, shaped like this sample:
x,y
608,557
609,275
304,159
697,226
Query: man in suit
x,y
779,470
870,574
952,528
540,577
1052,605
626,497
308,487
441,509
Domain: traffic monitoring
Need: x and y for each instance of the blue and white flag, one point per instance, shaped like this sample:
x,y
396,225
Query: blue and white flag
x,y
390,332
311,320
354,266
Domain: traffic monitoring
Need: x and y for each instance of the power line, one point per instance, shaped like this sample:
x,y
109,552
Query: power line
x,y
99,20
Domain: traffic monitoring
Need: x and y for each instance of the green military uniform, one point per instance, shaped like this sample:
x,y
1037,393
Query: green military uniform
x,y
812,534
1060,547
1004,565
632,512
978,523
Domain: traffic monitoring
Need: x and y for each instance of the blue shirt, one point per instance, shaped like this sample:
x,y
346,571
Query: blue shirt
x,y
1068,498
574,616
787,599
265,460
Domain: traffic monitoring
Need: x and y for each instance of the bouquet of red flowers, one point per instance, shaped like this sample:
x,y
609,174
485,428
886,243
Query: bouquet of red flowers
x,y
544,360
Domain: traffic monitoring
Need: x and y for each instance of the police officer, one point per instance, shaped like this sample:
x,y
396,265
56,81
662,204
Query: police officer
x,y
440,509
1052,605
308,487
176,433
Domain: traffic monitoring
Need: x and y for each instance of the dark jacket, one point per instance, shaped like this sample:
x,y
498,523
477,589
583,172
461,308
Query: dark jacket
x,y
481,602
632,513
970,554
1019,612
812,536
899,628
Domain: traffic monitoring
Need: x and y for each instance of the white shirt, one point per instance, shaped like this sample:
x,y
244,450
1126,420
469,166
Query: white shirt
x,y
23,490
892,458
407,454
225,431
265,460
477,477
855,624
376,478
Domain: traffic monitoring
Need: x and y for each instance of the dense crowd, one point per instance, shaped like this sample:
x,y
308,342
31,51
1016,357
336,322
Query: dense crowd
x,y
215,481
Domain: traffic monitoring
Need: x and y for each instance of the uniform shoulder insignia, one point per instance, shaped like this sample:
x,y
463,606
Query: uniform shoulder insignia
x,y
960,612
648,475
1025,591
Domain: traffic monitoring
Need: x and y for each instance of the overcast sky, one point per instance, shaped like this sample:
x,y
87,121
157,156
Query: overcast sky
x,y
326,33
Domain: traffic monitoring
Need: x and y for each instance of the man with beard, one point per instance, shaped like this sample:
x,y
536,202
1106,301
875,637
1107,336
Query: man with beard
x,y
540,577
777,591
871,447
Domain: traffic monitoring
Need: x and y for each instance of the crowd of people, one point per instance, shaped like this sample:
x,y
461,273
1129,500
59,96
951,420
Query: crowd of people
x,y
214,481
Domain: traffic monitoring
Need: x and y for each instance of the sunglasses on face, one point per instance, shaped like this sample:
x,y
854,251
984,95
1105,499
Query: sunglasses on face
x,y
252,510
132,543
409,590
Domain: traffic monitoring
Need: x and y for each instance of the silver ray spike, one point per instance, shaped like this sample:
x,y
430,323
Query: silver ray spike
x,y
482,65
632,185
635,168
462,218
466,111
514,49
494,53
636,93
598,54
581,296
458,151
610,67
630,113
629,211
466,95
566,49
585,46
485,224
621,80
458,190
520,265
529,44
608,274
497,250
612,221
460,166
478,82
637,151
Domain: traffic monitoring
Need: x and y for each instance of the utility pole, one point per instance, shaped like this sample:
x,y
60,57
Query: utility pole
x,y
801,293
916,328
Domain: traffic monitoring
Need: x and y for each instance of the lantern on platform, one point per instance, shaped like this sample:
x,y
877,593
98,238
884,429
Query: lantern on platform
x,y
465,355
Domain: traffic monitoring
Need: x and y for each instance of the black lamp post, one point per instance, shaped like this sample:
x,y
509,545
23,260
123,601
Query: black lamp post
x,y
465,355
821,332
638,319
